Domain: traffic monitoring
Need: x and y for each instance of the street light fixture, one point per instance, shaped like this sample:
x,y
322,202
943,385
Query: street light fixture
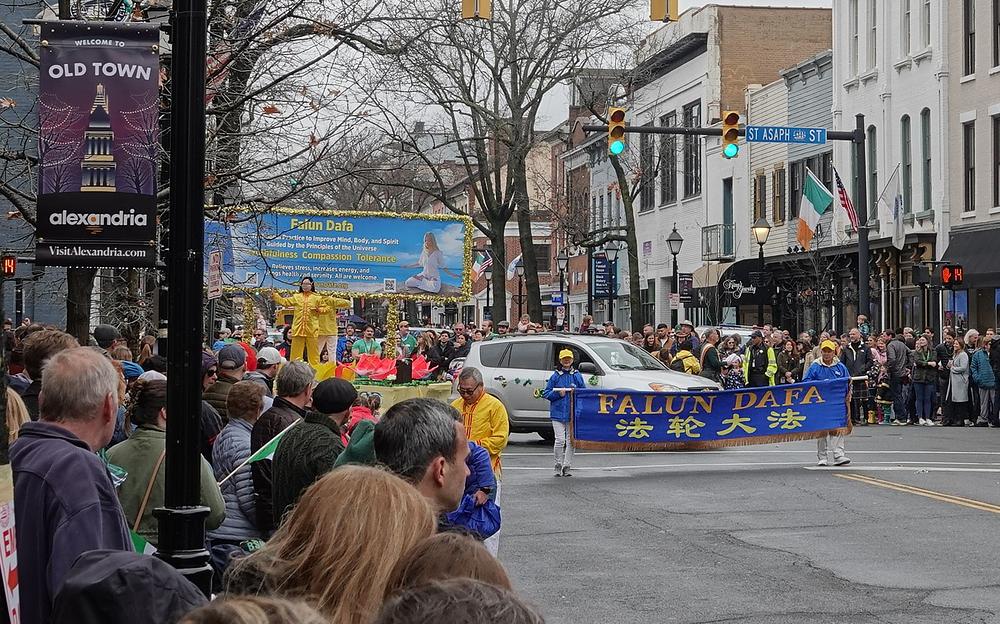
x,y
519,271
761,230
611,249
562,261
488,274
674,243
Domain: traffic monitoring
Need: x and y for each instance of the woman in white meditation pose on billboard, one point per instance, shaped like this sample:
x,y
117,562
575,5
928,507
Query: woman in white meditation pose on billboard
x,y
432,263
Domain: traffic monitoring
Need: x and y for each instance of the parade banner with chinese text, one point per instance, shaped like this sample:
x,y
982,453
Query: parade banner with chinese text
x,y
98,144
637,420
357,254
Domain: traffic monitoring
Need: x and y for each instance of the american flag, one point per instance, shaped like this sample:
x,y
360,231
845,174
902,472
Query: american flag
x,y
483,262
845,201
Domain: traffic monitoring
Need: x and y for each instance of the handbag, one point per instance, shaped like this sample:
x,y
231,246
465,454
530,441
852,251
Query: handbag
x,y
483,520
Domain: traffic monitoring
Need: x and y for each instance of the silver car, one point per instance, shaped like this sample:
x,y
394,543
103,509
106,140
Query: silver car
x,y
515,367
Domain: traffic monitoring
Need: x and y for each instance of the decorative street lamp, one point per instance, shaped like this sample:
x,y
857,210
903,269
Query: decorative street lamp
x,y
488,274
562,261
611,249
519,270
674,242
761,230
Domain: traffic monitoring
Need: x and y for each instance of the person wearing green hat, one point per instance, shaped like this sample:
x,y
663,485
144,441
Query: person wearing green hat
x,y
563,378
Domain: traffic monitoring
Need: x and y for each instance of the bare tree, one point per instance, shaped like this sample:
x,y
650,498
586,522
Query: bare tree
x,y
481,86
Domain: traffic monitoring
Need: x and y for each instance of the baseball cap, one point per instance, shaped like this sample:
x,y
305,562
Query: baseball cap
x,y
828,345
756,334
565,353
269,356
231,357
503,324
105,335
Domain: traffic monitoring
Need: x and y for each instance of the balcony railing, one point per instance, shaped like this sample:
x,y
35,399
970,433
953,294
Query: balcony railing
x,y
718,242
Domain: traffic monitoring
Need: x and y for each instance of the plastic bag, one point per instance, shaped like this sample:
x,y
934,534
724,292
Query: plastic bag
x,y
483,520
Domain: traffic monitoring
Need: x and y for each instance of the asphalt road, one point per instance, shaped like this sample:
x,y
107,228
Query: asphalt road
x,y
908,533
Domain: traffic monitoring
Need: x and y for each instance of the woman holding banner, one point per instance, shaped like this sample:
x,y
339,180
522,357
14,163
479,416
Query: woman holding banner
x,y
308,307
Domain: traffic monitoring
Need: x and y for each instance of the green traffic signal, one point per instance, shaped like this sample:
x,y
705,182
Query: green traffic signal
x,y
617,147
731,150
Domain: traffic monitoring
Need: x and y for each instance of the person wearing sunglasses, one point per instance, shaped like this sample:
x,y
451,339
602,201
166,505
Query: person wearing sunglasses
x,y
211,422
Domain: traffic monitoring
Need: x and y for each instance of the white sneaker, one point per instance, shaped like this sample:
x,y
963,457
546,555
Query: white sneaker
x,y
923,422
842,461
823,462
928,423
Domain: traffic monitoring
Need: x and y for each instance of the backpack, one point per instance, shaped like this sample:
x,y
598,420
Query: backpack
x,y
677,364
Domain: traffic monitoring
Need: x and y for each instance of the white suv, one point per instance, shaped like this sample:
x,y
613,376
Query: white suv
x,y
514,367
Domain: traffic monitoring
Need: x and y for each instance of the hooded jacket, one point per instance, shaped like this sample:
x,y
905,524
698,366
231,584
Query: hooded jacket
x,y
559,404
64,505
112,587
982,372
691,364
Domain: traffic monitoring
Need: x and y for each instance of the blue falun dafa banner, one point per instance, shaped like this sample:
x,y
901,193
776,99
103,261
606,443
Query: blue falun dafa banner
x,y
636,420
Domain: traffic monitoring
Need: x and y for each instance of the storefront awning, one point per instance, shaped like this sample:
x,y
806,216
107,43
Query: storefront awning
x,y
708,276
739,284
976,252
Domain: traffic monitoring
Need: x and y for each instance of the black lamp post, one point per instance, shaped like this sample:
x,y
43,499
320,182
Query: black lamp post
x,y
611,250
761,230
519,270
674,242
488,274
562,261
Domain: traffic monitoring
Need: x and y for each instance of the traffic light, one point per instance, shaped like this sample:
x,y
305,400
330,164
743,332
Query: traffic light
x,y
730,134
616,130
663,10
477,9
952,275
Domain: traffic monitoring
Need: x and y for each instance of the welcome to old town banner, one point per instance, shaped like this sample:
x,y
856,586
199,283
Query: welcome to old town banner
x,y
98,144
630,420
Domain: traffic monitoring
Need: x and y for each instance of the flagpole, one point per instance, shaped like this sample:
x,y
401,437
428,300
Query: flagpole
x,y
887,185
247,460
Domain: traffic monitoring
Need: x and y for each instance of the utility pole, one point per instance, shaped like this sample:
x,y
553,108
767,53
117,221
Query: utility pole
x,y
182,518
864,296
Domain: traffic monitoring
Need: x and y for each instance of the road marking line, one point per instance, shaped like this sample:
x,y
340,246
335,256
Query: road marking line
x,y
909,489
897,468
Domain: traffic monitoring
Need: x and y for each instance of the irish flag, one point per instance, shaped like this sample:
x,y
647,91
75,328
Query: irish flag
x,y
265,452
816,200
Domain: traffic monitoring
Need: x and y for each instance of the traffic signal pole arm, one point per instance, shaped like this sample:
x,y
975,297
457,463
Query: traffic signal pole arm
x,y
831,135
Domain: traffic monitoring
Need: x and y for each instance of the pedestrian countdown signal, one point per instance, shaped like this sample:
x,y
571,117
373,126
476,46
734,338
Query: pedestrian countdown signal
x,y
9,266
616,130
952,275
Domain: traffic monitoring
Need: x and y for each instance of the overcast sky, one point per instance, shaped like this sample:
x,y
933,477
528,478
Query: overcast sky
x,y
687,4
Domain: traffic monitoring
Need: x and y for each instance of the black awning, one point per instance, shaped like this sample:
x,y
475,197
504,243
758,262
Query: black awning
x,y
743,284
976,251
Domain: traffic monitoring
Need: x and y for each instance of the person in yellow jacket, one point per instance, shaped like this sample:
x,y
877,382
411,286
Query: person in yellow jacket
x,y
309,307
486,424
328,326
684,360
759,363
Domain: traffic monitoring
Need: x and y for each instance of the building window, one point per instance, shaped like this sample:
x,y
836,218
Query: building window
x,y
795,192
925,153
872,169
925,23
728,244
996,160
600,213
593,213
692,151
826,170
852,17
778,195
969,36
543,257
904,31
907,163
668,161
612,212
647,174
872,33
647,298
759,195
996,33
969,164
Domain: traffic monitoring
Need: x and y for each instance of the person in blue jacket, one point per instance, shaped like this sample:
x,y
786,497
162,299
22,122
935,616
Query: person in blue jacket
x,y
555,391
824,369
